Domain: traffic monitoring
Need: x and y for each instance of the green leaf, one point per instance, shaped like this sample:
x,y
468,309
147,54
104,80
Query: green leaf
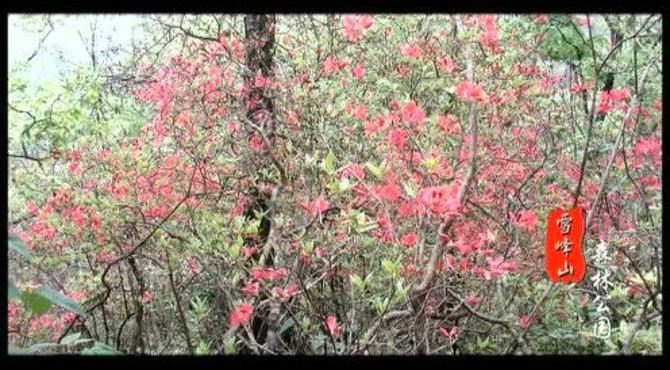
x,y
344,185
388,266
288,323
358,282
61,300
13,293
376,171
35,302
308,247
70,338
410,189
328,163
14,350
203,348
16,244
229,347
100,349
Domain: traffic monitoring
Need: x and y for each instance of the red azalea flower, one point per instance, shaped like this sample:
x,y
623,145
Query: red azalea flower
x,y
241,315
333,327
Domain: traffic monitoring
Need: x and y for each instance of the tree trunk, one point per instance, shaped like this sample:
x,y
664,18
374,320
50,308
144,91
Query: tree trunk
x,y
259,44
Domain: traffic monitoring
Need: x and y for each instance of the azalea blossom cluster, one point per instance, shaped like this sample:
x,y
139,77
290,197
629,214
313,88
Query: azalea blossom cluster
x,y
489,38
469,91
441,200
354,26
608,99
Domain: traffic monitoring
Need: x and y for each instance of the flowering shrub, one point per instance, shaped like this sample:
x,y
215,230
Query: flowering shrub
x,y
380,187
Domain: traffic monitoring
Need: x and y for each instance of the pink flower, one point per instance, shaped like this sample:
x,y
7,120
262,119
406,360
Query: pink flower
x,y
358,71
648,146
649,181
620,94
361,112
390,191
440,199
497,267
31,207
472,300
330,66
527,219
120,192
69,317
405,210
354,25
450,335
95,223
463,247
412,113
234,126
542,18
269,273
241,315
398,138
410,51
584,22
585,86
251,289
333,327
77,215
373,126
489,39
408,240
249,251
524,321
256,143
194,266
353,170
446,64
658,105
146,297
319,206
466,90
292,289
449,124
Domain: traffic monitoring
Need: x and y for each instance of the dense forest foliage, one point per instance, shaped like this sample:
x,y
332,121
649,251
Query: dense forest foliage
x,y
334,184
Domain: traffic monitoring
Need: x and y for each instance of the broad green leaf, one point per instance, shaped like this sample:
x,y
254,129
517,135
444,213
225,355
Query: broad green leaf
x,y
288,323
360,219
203,348
377,172
229,348
13,293
409,189
328,163
61,300
388,266
358,282
70,338
16,244
308,247
100,349
14,350
35,302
